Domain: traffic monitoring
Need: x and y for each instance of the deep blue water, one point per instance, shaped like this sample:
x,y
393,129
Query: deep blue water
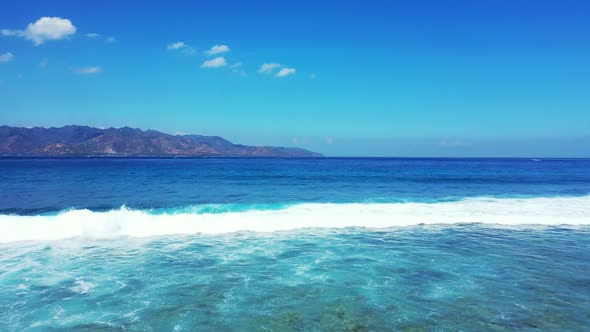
x,y
30,186
294,244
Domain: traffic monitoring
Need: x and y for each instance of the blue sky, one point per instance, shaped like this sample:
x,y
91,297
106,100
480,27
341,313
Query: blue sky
x,y
359,78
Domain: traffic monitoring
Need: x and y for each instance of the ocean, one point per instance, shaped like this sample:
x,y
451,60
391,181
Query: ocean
x,y
271,244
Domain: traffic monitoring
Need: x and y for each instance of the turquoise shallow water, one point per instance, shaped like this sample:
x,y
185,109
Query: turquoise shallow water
x,y
468,277
294,245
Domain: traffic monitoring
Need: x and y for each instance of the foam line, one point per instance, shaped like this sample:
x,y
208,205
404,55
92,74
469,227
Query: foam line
x,y
137,223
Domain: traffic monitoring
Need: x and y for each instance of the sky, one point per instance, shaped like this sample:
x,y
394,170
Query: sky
x,y
344,78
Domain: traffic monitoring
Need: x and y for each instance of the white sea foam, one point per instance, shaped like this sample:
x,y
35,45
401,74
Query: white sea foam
x,y
83,287
136,223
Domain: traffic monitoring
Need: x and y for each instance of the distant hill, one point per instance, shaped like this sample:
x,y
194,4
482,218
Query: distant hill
x,y
88,141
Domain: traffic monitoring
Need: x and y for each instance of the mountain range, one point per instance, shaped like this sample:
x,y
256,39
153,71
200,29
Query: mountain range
x,y
88,141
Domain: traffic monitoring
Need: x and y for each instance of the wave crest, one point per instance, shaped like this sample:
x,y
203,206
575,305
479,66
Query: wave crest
x,y
138,223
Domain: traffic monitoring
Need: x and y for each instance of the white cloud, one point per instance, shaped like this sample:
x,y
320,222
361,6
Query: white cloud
x,y
88,70
44,62
94,35
181,47
6,57
312,76
215,63
176,46
285,72
237,65
46,28
218,49
267,68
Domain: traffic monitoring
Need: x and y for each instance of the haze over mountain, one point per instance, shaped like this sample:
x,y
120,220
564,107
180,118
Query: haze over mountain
x,y
88,141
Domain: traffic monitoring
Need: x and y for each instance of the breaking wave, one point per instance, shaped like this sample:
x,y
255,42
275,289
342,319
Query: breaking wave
x,y
146,223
